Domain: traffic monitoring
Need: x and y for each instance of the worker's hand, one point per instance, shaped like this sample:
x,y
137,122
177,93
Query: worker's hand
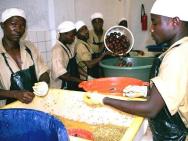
x,y
101,47
23,96
40,88
135,91
138,52
93,99
108,53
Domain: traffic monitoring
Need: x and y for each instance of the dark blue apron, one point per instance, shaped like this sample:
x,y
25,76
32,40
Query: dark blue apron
x,y
165,127
96,71
23,79
72,69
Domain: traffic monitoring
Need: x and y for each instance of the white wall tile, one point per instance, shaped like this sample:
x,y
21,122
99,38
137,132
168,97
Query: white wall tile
x,y
47,35
32,36
40,36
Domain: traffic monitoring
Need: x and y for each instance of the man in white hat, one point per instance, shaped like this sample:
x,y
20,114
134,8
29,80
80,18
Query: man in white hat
x,y
133,52
20,61
123,22
96,35
84,52
167,104
64,68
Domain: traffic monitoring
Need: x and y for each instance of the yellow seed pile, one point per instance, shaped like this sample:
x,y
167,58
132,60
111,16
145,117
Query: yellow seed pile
x,y
108,133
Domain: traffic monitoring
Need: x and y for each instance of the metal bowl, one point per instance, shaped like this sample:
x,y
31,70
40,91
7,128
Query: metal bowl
x,y
123,31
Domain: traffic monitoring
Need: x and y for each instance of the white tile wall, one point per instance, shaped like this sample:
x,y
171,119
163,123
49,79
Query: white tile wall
x,y
43,41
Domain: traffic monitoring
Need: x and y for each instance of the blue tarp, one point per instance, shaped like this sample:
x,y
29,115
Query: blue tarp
x,y
157,48
30,125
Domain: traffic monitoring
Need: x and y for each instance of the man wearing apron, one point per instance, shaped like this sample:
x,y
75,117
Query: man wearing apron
x,y
96,35
96,39
64,68
84,53
167,104
20,62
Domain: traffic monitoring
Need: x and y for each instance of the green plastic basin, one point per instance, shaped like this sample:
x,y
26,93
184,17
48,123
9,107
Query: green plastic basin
x,y
140,68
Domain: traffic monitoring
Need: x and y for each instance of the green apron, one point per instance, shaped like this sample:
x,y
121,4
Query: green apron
x,y
23,79
165,127
72,69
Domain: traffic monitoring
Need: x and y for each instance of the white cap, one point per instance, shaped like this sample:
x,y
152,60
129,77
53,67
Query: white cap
x,y
96,15
8,13
171,8
122,19
79,24
66,27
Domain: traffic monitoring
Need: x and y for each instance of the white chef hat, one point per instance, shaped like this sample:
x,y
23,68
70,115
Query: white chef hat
x,y
8,13
66,26
96,15
122,19
79,24
171,8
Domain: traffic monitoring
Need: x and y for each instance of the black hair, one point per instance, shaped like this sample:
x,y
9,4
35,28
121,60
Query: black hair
x,y
123,23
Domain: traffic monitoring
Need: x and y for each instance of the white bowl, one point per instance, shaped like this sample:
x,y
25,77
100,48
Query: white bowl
x,y
123,31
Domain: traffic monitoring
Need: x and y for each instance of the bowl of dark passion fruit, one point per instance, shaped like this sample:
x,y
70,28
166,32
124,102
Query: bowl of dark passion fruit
x,y
119,40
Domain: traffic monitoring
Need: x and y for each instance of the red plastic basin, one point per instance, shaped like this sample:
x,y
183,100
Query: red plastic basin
x,y
110,84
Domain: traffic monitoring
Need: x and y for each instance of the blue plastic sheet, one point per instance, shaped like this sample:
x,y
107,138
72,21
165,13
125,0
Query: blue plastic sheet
x,y
157,48
30,125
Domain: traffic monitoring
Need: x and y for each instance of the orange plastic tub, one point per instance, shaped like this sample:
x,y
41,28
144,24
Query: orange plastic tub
x,y
110,84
